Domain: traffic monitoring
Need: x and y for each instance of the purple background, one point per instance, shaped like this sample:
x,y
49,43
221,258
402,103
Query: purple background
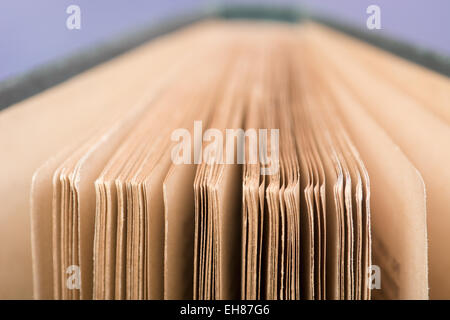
x,y
33,32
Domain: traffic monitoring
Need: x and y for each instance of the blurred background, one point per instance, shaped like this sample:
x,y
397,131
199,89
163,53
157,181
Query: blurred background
x,y
33,33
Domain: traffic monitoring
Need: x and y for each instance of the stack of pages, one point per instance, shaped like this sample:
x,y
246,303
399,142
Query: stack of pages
x,y
231,160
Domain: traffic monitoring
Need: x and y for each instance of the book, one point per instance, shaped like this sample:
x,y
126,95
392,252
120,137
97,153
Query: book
x,y
231,160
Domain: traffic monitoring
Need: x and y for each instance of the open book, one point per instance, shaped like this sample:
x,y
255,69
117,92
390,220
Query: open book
x,y
231,160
